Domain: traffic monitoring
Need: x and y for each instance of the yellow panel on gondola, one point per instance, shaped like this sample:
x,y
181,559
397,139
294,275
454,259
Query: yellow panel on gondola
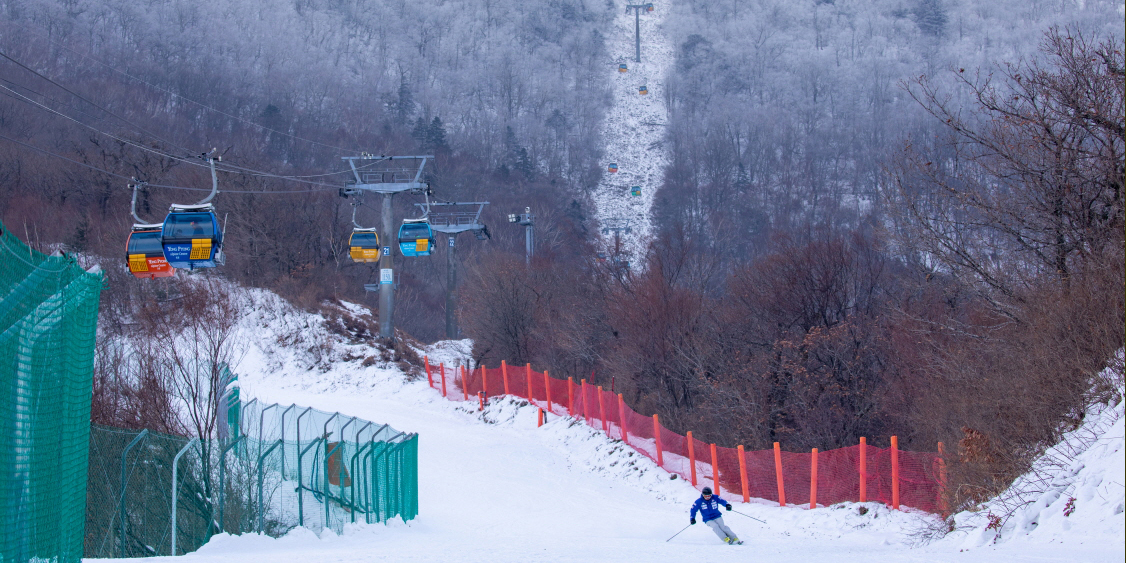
x,y
138,263
201,249
422,245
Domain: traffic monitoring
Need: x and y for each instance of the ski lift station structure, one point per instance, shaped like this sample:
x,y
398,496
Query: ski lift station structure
x,y
386,175
454,218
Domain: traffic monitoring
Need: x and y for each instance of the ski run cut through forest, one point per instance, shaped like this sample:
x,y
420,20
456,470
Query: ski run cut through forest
x,y
495,487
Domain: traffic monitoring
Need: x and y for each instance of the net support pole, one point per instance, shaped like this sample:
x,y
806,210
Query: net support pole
x,y
528,380
504,375
539,417
622,418
657,440
484,380
778,473
863,469
715,470
582,391
124,483
895,472
442,370
743,474
813,480
464,384
602,411
942,479
547,388
176,488
429,376
571,396
691,458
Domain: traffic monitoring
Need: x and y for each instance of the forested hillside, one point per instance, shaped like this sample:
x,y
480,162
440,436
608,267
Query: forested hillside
x,y
879,217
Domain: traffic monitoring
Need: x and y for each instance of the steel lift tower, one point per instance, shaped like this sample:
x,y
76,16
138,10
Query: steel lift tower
x,y
637,9
387,175
445,218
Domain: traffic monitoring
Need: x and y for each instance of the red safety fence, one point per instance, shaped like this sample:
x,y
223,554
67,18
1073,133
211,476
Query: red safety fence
x,y
851,474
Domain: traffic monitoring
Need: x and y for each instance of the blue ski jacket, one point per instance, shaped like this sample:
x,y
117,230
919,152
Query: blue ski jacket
x,y
709,509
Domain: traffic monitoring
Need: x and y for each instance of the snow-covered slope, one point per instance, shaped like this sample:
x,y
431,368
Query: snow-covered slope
x,y
496,488
635,127
1073,496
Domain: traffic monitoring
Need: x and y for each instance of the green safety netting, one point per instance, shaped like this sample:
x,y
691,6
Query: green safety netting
x,y
276,467
48,320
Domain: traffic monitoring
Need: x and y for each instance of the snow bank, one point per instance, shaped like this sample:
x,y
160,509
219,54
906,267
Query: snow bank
x,y
1074,493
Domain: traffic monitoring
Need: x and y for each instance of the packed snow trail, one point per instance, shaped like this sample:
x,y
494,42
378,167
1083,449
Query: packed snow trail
x,y
634,129
494,488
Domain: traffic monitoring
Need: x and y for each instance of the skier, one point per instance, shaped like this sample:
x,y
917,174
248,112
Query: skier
x,y
708,506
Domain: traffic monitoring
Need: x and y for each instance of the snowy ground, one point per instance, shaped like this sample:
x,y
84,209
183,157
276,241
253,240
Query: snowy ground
x,y
635,127
495,488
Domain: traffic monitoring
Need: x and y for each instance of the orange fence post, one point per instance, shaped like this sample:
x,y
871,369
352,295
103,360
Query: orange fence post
x,y
622,418
691,458
504,376
464,383
743,476
863,469
571,396
539,417
778,472
582,390
442,369
480,400
895,472
602,411
657,438
484,380
429,377
547,389
813,480
715,471
528,378
942,479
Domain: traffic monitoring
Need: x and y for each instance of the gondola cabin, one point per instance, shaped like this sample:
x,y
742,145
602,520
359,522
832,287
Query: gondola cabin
x,y
612,168
635,191
416,238
623,68
191,237
144,253
363,245
643,90
649,7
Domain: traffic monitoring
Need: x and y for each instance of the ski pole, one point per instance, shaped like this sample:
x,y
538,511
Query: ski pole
x,y
678,533
748,516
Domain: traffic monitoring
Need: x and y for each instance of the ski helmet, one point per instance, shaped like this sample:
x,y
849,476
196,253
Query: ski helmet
x,y
706,491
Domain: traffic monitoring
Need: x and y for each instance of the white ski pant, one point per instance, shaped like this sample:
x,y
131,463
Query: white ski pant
x,y
721,529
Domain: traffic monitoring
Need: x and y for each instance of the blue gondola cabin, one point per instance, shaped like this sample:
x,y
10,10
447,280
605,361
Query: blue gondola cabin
x,y
643,90
623,68
635,191
416,238
612,168
144,254
363,245
191,237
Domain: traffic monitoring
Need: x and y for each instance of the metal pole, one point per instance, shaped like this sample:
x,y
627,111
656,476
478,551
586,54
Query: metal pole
x,y
223,476
386,267
300,493
451,289
124,478
260,459
529,243
637,30
300,483
176,489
